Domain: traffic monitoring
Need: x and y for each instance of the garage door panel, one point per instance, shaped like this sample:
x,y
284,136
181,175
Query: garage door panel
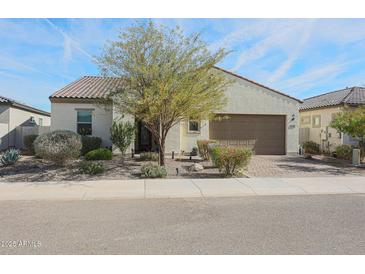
x,y
265,134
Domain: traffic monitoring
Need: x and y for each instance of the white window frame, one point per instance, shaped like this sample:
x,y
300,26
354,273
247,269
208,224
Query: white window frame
x,y
91,123
40,121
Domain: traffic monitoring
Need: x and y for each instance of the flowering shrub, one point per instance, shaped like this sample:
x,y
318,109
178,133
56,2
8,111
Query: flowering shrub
x,y
311,147
58,146
231,160
344,152
203,148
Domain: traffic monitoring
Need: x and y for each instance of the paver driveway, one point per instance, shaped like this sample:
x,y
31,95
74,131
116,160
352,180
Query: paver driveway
x,y
296,166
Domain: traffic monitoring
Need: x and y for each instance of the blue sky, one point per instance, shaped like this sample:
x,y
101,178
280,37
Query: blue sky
x,y
301,57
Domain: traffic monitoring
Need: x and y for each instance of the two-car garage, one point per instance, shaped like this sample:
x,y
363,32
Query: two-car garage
x,y
264,134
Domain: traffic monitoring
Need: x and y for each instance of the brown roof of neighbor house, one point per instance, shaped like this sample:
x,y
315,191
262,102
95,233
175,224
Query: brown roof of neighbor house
x,y
89,87
349,96
13,103
97,87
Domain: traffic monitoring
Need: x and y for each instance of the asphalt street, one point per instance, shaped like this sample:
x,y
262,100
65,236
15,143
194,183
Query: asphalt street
x,y
311,224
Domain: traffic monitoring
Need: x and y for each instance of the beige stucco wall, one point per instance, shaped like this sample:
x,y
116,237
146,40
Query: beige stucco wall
x,y
10,118
4,126
324,135
243,98
64,116
188,140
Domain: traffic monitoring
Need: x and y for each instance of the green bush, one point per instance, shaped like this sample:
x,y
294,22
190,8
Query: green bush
x,y
89,143
91,168
99,154
311,147
148,156
121,135
29,142
344,152
10,157
153,171
58,146
203,148
231,160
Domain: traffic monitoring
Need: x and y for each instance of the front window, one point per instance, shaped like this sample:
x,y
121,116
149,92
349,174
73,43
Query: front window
x,y
40,121
306,120
194,126
84,122
317,121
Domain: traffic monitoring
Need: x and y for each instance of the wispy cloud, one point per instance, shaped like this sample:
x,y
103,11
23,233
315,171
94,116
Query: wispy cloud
x,y
293,54
276,36
69,43
313,77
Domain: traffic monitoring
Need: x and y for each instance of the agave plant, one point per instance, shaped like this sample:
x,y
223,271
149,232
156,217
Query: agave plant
x,y
10,157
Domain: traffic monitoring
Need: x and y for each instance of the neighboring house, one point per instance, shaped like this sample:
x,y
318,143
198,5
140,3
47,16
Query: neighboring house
x,y
260,118
316,114
14,115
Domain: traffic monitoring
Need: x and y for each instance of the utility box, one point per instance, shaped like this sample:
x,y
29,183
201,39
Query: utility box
x,y
356,157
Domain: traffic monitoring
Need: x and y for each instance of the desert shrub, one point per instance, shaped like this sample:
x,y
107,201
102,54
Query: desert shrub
x,y
121,135
91,168
99,154
153,171
58,146
203,148
90,143
28,142
311,147
231,160
10,157
344,152
148,156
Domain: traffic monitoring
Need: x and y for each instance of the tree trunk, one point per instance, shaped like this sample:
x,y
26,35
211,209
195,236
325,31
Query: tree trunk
x,y
161,158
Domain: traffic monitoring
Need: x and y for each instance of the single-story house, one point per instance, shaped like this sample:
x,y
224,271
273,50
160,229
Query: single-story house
x,y
260,117
316,114
14,115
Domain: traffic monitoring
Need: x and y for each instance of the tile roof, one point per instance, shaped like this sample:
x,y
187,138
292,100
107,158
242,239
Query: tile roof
x,y
89,87
352,96
12,102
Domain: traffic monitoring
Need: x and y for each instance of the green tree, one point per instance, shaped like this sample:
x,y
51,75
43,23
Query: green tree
x,y
121,135
168,77
352,122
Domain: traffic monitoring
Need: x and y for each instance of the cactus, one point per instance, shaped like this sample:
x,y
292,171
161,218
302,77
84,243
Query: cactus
x,y
10,157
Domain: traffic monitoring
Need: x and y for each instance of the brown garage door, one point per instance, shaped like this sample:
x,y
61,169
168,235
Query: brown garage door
x,y
264,134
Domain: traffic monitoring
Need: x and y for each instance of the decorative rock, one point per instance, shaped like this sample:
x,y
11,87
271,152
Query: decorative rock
x,y
196,167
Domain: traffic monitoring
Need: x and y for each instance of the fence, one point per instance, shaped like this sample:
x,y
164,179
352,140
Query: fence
x,y
303,135
22,131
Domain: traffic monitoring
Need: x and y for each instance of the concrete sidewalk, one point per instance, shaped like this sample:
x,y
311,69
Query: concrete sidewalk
x,y
180,188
